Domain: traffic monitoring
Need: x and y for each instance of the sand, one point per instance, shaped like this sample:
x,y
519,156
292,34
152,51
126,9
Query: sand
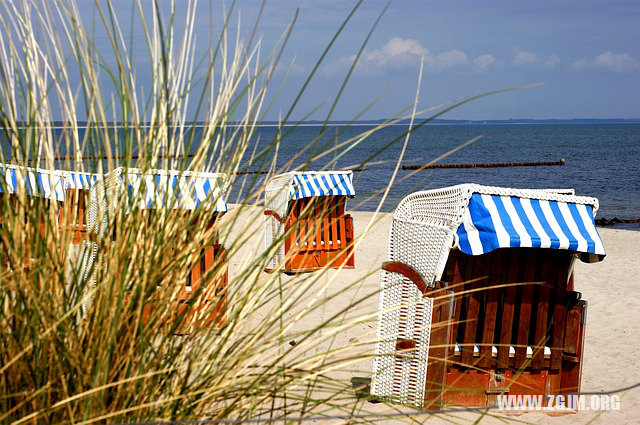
x,y
611,287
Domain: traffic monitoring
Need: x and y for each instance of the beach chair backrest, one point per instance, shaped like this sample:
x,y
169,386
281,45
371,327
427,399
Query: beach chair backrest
x,y
318,223
511,308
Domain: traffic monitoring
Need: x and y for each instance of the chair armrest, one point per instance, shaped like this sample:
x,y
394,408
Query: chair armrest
x,y
274,215
406,271
413,275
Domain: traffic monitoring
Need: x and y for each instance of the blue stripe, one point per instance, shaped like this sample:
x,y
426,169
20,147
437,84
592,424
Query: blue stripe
x,y
307,191
175,189
555,242
332,182
342,189
40,181
535,238
591,245
514,238
206,187
483,222
573,242
463,240
326,182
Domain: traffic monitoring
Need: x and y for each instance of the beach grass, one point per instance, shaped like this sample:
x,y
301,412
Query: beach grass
x,y
77,344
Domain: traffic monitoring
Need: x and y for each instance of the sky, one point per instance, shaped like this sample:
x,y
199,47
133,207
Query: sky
x,y
586,53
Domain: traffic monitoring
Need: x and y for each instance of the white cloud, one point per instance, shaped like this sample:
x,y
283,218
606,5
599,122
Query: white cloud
x,y
523,58
482,62
580,64
616,62
399,53
449,59
295,68
552,61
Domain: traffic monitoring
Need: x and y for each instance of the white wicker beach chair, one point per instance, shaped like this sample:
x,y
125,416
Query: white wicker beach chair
x,y
428,228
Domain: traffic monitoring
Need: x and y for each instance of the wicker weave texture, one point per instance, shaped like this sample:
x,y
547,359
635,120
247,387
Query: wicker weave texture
x,y
277,200
100,213
420,237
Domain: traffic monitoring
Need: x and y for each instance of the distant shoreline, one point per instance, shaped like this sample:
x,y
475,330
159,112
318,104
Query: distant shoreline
x,y
373,123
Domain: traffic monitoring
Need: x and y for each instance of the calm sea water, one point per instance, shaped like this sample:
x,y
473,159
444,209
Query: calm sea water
x,y
602,160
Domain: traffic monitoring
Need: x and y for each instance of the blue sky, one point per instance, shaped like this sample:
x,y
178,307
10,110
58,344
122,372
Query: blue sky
x,y
587,54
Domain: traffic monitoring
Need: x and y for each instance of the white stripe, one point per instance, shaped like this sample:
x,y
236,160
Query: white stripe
x,y
9,179
188,190
299,188
33,183
46,185
573,228
199,192
525,239
349,185
553,223
501,234
545,241
587,220
472,232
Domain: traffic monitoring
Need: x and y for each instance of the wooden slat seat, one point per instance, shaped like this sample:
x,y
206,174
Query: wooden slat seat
x,y
512,319
202,299
319,233
72,216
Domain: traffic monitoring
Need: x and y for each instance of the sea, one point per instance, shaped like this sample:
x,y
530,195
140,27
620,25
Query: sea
x,y
601,160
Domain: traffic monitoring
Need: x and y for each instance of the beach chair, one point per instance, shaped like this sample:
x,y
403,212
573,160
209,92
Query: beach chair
x,y
183,193
307,210
478,297
33,182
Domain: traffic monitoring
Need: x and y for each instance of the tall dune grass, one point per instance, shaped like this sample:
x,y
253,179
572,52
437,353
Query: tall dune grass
x,y
62,363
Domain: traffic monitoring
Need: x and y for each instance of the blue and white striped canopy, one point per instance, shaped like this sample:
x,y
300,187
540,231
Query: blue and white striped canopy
x,y
308,184
36,182
493,221
78,180
178,190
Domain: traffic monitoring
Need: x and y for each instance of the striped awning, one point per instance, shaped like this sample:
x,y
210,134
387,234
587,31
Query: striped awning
x,y
321,183
492,221
78,180
177,190
35,182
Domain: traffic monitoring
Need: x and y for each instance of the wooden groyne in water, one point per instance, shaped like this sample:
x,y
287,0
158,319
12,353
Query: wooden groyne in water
x,y
485,165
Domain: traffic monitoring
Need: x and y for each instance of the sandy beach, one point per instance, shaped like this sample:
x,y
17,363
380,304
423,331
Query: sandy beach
x,y
611,360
